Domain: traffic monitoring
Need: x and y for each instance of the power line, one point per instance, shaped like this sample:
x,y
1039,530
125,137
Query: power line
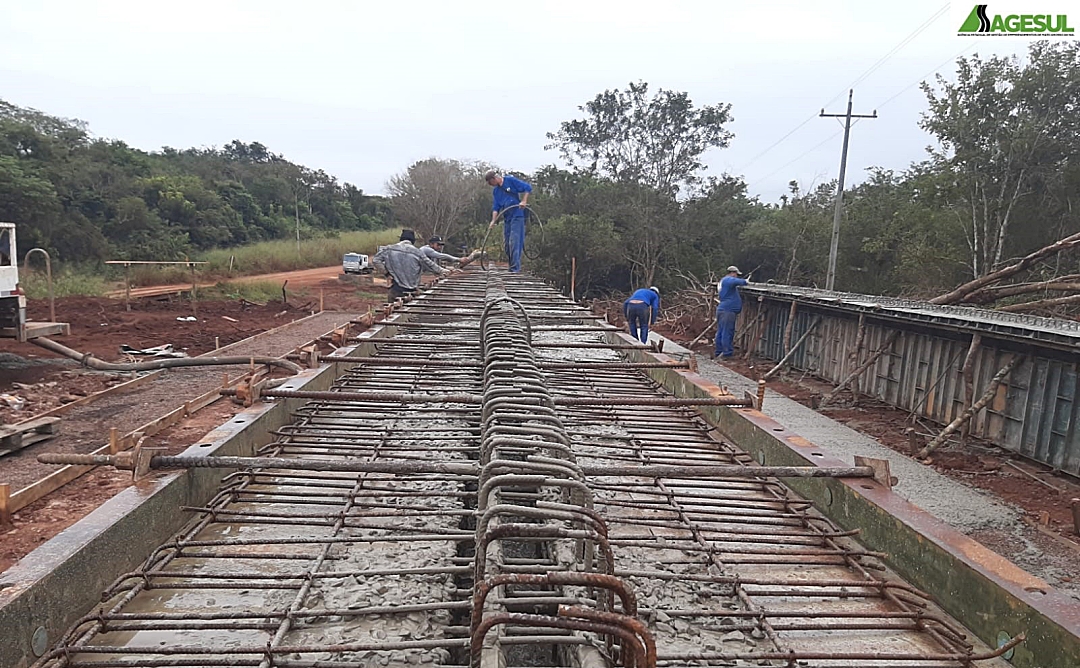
x,y
862,77
933,71
804,153
896,49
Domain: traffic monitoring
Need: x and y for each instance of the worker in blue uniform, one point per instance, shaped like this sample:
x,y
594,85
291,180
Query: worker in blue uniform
x,y
511,195
641,310
727,311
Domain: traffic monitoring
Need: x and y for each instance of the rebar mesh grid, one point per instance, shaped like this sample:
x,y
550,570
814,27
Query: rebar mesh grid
x,y
306,569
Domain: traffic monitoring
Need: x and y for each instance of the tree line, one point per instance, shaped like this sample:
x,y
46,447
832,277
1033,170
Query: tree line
x,y
634,206
87,199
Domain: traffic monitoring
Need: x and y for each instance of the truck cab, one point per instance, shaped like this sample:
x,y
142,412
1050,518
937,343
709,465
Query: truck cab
x,y
13,322
356,263
12,300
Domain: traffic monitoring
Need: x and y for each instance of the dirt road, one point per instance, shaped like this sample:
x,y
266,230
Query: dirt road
x,y
299,278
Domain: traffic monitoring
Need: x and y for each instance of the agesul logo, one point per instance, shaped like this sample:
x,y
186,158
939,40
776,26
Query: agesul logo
x,y
981,24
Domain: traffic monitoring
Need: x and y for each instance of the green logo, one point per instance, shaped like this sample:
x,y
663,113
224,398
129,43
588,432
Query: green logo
x,y
978,23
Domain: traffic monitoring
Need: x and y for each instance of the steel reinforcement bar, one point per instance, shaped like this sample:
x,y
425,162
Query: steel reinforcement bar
x,y
542,526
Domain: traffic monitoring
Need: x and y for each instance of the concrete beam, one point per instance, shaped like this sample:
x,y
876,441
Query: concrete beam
x,y
985,592
61,581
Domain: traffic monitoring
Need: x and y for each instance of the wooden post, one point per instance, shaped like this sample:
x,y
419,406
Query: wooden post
x,y
968,373
759,335
322,299
573,277
114,440
779,365
856,354
886,344
194,293
790,326
217,343
127,286
5,504
985,399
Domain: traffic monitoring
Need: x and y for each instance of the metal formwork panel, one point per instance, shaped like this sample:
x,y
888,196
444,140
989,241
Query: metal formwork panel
x,y
1034,412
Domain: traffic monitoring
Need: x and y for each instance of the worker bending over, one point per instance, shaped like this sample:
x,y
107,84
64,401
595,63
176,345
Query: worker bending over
x,y
641,310
509,195
434,251
404,264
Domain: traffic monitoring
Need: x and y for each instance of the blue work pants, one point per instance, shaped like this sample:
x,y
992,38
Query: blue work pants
x,y
725,332
637,317
514,241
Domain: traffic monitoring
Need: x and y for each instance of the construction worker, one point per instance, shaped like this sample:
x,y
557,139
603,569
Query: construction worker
x,y
641,310
434,251
404,264
511,195
727,311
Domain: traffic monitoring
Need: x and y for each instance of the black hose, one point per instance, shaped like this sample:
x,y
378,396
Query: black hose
x,y
88,360
528,213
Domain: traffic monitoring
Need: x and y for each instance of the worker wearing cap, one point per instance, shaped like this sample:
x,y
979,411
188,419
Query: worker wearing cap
x,y
510,195
434,250
727,311
641,310
404,263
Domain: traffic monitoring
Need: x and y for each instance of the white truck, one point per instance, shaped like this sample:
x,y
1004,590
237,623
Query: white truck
x,y
356,263
13,324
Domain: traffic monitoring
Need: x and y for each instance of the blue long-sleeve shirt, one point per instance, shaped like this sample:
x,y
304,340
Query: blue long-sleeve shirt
x,y
509,194
729,293
649,297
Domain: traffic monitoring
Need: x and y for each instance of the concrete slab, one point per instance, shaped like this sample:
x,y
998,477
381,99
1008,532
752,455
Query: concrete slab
x,y
962,507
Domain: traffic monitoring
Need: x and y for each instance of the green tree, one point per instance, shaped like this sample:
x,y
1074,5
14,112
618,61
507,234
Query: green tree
x,y
655,141
1006,130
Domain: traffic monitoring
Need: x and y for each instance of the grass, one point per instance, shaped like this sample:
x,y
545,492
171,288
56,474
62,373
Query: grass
x,y
65,284
223,264
259,292
268,257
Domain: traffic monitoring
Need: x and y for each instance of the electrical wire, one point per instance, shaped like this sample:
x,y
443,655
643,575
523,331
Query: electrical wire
x,y
862,77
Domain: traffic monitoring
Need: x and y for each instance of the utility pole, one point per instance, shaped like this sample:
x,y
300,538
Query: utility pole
x,y
830,279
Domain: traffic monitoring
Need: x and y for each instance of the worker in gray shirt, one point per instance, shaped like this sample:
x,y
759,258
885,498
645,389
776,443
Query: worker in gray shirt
x,y
404,263
434,251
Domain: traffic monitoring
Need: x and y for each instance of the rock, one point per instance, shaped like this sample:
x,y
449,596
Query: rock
x,y
666,628
662,616
758,634
733,636
67,399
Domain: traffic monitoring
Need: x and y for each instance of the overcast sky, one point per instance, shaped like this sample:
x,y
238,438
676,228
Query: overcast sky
x,y
363,89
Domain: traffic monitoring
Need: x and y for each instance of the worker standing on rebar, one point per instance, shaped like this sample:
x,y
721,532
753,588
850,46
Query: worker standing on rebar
x,y
404,264
727,311
509,195
641,310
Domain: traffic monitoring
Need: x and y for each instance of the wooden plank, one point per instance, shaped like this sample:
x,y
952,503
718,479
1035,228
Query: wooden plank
x,y
44,425
66,474
5,504
18,436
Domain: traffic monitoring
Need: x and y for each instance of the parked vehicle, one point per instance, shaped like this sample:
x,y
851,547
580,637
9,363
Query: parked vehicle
x,y
356,263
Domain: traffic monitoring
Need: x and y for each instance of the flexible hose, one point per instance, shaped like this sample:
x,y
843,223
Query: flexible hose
x,y
528,212
88,360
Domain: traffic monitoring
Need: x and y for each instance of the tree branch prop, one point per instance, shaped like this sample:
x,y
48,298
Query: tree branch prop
x,y
773,371
885,345
964,417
